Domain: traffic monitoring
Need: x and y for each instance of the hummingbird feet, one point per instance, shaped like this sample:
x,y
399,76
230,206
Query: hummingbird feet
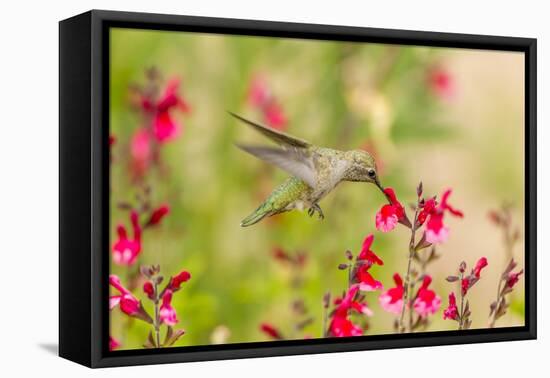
x,y
316,208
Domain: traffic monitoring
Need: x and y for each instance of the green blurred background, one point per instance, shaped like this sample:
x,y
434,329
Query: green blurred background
x,y
466,134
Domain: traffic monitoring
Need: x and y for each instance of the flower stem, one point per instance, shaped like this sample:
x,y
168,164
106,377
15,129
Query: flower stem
x,y
156,323
461,318
493,319
407,294
325,318
410,308
350,275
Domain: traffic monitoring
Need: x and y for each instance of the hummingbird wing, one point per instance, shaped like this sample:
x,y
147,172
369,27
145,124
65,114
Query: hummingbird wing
x,y
296,161
276,136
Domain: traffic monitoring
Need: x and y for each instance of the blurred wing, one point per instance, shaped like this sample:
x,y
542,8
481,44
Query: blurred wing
x,y
276,136
297,162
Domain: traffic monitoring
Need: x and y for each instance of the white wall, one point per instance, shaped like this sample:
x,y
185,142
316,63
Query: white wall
x,y
29,189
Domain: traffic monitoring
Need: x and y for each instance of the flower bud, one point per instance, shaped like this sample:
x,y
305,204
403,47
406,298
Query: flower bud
x,y
419,189
158,214
149,289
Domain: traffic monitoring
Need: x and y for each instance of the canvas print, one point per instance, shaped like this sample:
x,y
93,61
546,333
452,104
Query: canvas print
x,y
266,189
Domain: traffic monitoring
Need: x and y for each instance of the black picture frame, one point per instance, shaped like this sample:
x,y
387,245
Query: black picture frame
x,y
84,183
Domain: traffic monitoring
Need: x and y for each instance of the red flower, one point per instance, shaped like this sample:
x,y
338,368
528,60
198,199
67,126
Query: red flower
x,y
428,208
470,280
365,260
392,299
390,214
427,301
444,205
366,280
465,285
167,313
271,331
340,325
481,263
348,302
343,327
149,289
164,126
126,251
513,279
280,255
261,97
158,214
129,304
442,83
112,141
297,259
366,254
176,281
113,343
436,232
451,312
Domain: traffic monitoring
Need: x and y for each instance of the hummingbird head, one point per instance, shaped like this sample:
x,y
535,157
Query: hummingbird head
x,y
362,168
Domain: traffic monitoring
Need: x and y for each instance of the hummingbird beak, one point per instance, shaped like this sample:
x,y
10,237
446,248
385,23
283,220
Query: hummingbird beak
x,y
377,182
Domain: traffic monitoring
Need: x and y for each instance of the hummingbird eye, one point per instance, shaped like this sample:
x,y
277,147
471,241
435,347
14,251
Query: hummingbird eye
x,y
371,173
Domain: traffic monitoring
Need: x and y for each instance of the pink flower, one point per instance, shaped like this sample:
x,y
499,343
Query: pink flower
x,y
128,304
442,83
158,214
366,254
390,214
260,96
427,301
141,152
113,343
392,299
451,312
176,281
436,232
167,313
274,116
125,250
258,92
271,331
513,279
366,280
164,126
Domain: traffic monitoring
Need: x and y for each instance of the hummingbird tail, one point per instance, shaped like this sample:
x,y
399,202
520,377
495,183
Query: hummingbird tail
x,y
259,214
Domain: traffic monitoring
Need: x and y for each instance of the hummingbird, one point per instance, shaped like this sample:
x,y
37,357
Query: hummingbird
x,y
315,171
